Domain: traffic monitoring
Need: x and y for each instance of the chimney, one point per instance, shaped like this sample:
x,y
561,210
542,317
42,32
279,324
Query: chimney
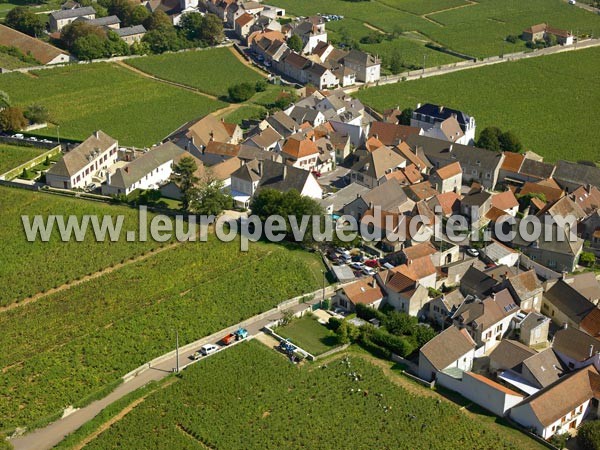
x,y
418,105
260,169
591,350
97,134
212,136
450,148
222,120
441,109
563,275
565,326
374,284
126,169
284,171
376,136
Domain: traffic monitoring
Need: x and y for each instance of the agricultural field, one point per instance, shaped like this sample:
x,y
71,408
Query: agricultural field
x,y
6,6
12,156
9,62
231,401
93,333
309,334
32,267
129,107
549,106
245,112
211,71
477,28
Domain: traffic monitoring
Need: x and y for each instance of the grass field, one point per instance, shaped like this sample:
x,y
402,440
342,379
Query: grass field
x,y
73,344
252,397
10,62
84,98
12,156
211,71
475,28
549,101
31,267
245,112
309,334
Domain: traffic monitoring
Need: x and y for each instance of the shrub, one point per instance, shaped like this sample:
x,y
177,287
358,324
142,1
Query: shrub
x,y
261,86
241,92
367,313
334,323
588,435
512,38
587,259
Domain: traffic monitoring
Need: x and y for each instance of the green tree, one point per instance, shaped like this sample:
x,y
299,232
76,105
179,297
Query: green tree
x,y
490,139
158,19
185,171
76,30
261,86
162,39
241,92
4,100
550,40
90,47
399,323
123,9
37,113
295,43
139,48
396,63
587,259
115,46
209,198
588,435
212,30
405,116
24,20
509,142
12,119
191,25
138,15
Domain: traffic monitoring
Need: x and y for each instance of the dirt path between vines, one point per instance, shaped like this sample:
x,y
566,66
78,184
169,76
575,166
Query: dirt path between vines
x,y
86,278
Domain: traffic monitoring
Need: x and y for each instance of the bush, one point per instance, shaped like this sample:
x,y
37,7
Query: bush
x,y
367,313
400,345
261,86
241,92
512,38
587,259
588,435
375,349
334,323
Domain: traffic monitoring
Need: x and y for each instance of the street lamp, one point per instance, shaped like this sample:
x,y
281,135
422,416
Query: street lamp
x,y
323,299
424,58
176,351
58,133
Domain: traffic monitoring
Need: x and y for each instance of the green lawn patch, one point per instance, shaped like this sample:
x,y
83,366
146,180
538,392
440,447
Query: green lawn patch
x,y
12,156
251,397
549,101
211,71
84,98
245,112
309,334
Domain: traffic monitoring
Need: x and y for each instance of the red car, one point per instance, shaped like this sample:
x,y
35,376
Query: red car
x,y
371,263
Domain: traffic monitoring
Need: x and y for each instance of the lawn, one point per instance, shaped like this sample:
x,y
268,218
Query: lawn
x,y
12,156
9,62
30,267
71,345
252,397
6,6
309,334
84,98
211,71
245,112
549,101
475,28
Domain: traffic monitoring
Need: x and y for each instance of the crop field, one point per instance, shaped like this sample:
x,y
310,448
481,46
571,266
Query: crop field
x,y
558,122
31,267
252,397
477,28
75,343
10,62
245,112
211,71
12,156
84,98
309,334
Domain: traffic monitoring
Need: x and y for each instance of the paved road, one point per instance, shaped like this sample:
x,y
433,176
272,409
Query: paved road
x,y
46,438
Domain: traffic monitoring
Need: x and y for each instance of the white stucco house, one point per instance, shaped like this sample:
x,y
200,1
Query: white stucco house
x,y
87,161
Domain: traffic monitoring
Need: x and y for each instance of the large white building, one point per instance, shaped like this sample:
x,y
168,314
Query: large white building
x,y
148,171
87,161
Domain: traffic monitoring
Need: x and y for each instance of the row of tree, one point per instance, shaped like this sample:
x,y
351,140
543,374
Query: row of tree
x,y
13,119
493,138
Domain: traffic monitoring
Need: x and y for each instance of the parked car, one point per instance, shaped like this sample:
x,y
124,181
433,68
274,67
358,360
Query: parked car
x,y
238,335
205,350
472,252
368,270
18,136
357,265
90,187
371,263
346,258
358,258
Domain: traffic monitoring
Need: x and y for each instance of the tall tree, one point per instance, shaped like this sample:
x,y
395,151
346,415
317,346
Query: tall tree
x,y
138,15
490,139
158,19
405,116
191,25
295,43
209,198
24,20
185,170
212,30
509,142
395,63
12,119
4,100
